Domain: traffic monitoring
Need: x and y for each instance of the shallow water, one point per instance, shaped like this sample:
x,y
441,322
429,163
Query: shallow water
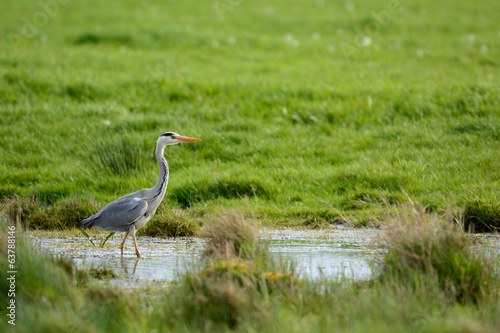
x,y
162,259
341,253
334,254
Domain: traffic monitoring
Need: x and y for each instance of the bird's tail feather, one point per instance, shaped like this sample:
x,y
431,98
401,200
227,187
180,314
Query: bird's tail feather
x,y
88,222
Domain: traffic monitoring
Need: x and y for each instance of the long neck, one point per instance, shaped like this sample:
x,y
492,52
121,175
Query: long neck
x,y
161,185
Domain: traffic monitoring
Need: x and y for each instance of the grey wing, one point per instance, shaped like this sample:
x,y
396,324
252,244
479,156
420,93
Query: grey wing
x,y
118,215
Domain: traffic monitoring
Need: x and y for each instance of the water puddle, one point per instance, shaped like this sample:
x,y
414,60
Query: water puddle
x,y
336,254
333,254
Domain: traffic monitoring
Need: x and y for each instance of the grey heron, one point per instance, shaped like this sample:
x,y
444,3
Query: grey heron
x,y
132,211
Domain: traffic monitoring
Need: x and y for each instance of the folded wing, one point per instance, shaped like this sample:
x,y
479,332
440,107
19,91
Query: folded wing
x,y
118,215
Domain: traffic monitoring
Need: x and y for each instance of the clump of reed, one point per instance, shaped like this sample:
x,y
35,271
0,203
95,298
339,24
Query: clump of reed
x,y
426,248
231,236
237,282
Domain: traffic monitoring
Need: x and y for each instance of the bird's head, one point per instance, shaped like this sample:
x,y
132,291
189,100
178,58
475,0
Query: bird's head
x,y
171,138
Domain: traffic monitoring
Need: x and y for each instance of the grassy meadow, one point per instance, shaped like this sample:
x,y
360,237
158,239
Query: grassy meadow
x,y
307,109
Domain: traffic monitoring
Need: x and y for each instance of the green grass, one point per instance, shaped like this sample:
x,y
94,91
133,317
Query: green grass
x,y
482,217
290,104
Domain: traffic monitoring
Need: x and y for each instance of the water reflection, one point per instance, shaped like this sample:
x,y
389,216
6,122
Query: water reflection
x,y
124,267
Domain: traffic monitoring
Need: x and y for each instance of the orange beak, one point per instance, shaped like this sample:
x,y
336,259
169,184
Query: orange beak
x,y
186,138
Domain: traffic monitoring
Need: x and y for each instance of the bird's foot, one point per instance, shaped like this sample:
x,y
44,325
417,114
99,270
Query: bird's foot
x,y
139,255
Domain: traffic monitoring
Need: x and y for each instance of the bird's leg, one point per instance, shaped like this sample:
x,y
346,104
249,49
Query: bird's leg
x,y
123,243
135,244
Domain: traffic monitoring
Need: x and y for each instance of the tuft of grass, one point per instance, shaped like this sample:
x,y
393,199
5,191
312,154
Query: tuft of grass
x,y
238,279
116,157
171,223
229,236
316,222
69,212
64,214
424,248
229,188
84,276
15,207
482,217
50,195
216,300
92,38
82,92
